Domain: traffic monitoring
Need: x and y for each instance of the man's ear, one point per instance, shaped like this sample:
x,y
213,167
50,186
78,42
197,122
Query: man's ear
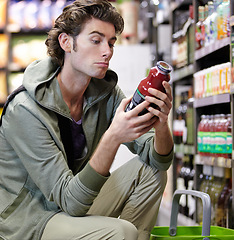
x,y
65,42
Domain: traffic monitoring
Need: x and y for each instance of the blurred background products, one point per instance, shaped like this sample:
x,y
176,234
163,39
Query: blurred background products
x,y
196,39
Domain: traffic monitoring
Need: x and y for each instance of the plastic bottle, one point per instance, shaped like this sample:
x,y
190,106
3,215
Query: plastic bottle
x,y
200,29
220,20
190,36
129,11
221,216
213,21
229,136
230,214
212,134
215,190
44,15
200,134
157,74
30,14
207,25
226,18
205,187
190,118
220,138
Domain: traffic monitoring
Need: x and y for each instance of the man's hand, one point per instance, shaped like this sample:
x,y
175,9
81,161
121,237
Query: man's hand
x,y
163,101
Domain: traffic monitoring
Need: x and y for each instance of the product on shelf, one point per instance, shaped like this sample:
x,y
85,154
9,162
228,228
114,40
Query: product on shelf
x,y
202,136
129,11
213,80
221,212
206,179
34,14
200,28
26,49
214,137
3,8
213,27
183,124
3,50
189,119
3,87
213,23
229,211
223,11
185,180
14,81
216,188
183,42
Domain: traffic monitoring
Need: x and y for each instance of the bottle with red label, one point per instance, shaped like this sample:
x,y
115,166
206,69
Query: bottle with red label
x,y
157,74
200,29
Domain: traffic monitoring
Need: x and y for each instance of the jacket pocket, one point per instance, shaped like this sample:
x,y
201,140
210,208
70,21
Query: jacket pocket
x,y
11,208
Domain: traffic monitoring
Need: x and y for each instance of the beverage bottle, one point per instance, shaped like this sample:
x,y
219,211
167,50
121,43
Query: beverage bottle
x,y
212,134
216,146
205,187
180,183
220,138
213,21
191,199
129,11
230,214
157,74
206,137
186,181
207,25
200,29
215,190
190,118
200,135
221,216
183,108
220,20
229,136
226,18
190,36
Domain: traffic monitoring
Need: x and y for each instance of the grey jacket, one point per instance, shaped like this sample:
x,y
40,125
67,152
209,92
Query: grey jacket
x,y
36,177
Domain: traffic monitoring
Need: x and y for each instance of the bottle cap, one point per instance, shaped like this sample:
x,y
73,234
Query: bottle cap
x,y
163,66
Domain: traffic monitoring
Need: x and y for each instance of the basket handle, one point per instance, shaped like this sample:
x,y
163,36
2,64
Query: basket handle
x,y
206,210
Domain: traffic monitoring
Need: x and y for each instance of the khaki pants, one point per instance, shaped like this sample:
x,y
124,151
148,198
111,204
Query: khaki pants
x,y
126,208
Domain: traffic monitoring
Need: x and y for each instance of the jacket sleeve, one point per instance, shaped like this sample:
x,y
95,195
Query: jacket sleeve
x,y
37,146
144,145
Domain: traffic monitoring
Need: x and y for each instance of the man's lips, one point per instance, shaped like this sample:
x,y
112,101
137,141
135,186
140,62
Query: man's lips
x,y
103,64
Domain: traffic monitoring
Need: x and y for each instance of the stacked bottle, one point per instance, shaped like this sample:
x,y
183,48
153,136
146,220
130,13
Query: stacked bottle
x,y
214,136
213,23
212,81
217,182
183,39
185,181
183,131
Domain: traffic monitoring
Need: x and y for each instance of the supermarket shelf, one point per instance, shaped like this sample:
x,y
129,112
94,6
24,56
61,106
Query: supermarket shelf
x,y
211,100
214,161
164,218
211,48
186,149
182,73
182,5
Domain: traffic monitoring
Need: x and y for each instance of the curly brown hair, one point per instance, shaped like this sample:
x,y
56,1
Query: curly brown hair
x,y
72,20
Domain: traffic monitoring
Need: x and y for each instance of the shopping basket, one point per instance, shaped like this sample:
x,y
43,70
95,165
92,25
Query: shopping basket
x,y
204,232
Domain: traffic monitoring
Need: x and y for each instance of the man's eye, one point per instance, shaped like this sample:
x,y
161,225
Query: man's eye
x,y
96,41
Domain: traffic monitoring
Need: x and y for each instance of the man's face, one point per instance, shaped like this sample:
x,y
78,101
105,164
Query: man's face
x,y
94,48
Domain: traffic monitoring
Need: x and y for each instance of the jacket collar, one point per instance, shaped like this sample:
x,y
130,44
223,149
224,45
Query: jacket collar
x,y
41,83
